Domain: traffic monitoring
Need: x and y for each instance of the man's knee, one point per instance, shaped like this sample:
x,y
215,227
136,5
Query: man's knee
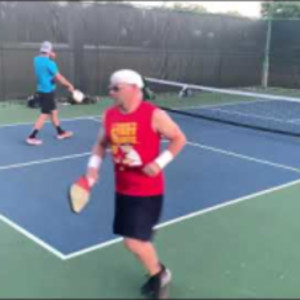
x,y
54,113
43,117
135,245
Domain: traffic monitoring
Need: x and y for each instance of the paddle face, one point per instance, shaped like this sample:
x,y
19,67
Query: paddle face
x,y
79,194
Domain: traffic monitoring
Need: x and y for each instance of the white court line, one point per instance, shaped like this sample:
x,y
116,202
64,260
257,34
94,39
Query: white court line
x,y
245,157
48,121
43,161
206,147
98,120
32,237
186,217
294,121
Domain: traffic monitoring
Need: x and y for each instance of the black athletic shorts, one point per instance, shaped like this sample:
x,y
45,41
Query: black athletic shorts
x,y
136,216
47,102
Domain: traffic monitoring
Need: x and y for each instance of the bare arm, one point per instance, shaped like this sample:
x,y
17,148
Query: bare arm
x,y
63,81
165,126
97,155
99,148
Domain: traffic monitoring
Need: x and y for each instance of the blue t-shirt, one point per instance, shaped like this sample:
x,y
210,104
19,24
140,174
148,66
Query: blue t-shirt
x,y
45,70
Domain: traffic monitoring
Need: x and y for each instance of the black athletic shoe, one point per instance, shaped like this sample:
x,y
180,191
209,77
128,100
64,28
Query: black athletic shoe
x,y
156,285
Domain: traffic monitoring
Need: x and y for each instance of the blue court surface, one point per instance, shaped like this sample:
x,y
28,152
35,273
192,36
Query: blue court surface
x,y
221,164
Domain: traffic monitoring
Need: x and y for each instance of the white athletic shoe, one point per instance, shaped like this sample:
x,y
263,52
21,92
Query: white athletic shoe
x,y
34,141
65,135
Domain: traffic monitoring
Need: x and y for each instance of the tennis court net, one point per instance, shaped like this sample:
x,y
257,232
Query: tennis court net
x,y
260,111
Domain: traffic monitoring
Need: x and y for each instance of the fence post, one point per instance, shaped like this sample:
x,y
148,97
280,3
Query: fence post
x,y
2,74
266,64
2,80
76,41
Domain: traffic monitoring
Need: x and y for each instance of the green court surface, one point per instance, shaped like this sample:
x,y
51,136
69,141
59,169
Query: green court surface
x,y
245,248
16,111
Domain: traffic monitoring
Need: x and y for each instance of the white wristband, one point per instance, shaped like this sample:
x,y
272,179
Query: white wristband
x,y
164,158
95,161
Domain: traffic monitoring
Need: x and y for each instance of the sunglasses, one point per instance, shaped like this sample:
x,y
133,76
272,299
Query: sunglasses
x,y
114,88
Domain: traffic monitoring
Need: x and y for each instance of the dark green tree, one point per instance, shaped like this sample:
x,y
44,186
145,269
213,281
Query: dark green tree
x,y
280,9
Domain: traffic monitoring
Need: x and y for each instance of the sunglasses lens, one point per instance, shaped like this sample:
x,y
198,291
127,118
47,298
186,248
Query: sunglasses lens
x,y
114,88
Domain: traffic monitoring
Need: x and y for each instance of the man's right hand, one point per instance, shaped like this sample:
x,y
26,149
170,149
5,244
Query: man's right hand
x,y
71,88
63,81
92,176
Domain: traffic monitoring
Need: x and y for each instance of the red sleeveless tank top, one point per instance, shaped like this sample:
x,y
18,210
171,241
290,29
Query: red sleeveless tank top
x,y
134,144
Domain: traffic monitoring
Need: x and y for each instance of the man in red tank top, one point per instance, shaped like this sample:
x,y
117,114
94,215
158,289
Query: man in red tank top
x,y
133,129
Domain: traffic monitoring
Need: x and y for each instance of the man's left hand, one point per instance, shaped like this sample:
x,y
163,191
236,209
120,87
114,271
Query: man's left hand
x,y
152,169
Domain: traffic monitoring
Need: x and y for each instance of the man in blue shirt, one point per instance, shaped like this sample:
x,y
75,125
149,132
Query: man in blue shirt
x,y
47,74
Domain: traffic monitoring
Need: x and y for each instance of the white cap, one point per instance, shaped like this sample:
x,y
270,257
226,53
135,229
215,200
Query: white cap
x,y
46,47
127,76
